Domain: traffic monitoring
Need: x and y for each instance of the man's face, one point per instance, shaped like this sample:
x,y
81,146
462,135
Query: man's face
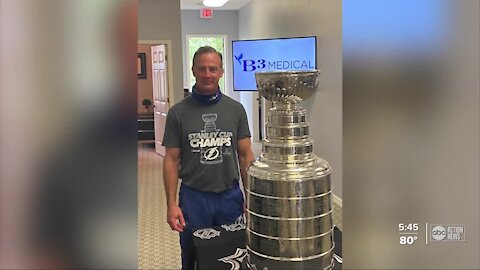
x,y
207,72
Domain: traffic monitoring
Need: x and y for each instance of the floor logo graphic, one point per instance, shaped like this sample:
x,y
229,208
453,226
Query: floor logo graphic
x,y
207,233
235,260
239,224
447,232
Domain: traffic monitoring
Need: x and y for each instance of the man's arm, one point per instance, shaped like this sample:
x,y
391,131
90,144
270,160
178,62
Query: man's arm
x,y
245,156
171,164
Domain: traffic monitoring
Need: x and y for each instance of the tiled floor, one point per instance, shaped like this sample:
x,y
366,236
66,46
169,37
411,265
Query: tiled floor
x,y
158,246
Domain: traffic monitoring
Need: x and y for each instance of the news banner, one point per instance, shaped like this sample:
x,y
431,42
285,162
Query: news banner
x,y
409,233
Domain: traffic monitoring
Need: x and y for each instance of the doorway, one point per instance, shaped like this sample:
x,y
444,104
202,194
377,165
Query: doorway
x,y
156,87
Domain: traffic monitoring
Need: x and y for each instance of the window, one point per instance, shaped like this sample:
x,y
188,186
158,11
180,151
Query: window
x,y
217,42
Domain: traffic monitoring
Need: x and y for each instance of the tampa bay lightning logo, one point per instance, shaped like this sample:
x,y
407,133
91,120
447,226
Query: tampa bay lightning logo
x,y
235,260
211,153
239,58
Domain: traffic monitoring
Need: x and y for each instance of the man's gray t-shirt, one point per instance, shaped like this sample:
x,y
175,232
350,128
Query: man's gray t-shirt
x,y
207,136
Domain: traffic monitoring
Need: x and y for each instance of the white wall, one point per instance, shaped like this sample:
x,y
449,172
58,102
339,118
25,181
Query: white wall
x,y
321,18
224,22
160,20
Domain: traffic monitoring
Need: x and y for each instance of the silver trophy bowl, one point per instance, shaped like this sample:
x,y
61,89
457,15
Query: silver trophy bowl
x,y
287,86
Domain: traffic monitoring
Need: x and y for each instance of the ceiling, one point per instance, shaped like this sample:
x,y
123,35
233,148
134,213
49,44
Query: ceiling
x,y
197,4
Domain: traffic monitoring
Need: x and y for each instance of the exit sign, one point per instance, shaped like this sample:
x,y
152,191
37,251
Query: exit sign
x,y
206,13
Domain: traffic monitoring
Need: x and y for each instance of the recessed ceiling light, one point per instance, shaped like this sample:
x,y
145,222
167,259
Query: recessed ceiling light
x,y
214,3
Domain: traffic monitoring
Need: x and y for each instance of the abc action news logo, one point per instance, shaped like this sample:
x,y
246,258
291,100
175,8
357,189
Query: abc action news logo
x,y
450,232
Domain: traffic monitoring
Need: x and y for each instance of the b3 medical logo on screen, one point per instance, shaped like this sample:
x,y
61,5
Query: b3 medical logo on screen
x,y
447,232
249,65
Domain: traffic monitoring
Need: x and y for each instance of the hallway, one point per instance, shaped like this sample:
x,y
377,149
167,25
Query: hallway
x,y
158,245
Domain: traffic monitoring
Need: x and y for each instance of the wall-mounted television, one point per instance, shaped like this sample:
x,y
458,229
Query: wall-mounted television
x,y
250,56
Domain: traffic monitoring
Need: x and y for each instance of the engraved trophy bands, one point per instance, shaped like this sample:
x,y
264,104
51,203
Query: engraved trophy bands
x,y
289,193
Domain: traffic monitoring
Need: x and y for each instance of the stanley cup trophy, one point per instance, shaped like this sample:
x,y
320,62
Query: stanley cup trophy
x,y
289,193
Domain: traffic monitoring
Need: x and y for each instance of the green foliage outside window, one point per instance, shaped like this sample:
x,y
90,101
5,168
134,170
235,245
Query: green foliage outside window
x,y
196,42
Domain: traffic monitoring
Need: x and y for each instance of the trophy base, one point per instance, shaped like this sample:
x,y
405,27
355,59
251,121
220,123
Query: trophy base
x,y
325,262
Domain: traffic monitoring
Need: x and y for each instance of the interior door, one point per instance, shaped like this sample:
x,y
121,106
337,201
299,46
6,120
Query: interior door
x,y
160,94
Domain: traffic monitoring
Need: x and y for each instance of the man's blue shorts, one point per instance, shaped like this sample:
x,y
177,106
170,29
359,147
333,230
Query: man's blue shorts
x,y
206,209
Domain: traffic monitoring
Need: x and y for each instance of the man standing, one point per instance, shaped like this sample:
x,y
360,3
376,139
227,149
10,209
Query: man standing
x,y
207,140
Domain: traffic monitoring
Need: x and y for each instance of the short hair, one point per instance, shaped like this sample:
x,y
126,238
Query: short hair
x,y
207,49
